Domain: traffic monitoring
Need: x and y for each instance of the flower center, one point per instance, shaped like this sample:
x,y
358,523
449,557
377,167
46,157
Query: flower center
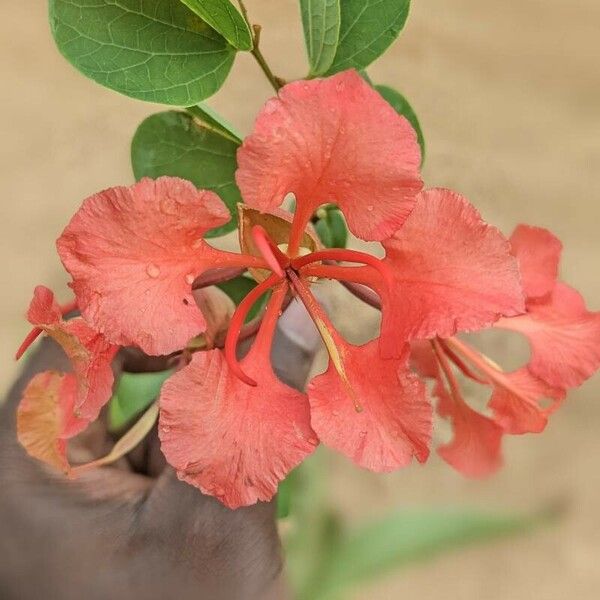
x,y
293,274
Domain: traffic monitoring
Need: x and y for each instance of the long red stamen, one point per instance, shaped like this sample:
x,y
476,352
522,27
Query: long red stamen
x,y
481,363
328,333
460,363
339,254
273,256
264,338
354,279
36,331
236,323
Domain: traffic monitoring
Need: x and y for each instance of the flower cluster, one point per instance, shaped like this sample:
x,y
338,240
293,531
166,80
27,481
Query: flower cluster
x,y
231,428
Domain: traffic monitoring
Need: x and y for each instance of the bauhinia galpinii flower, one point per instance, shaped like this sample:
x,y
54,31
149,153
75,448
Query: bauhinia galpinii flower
x,y
137,257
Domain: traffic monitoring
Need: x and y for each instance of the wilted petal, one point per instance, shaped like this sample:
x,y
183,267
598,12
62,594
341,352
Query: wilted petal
x,y
564,337
452,272
231,440
514,414
333,140
90,354
134,252
395,422
45,418
538,252
475,448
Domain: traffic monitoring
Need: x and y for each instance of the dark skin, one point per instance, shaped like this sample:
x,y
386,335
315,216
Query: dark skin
x,y
133,530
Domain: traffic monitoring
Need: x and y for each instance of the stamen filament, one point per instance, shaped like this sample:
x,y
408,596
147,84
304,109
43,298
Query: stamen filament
x,y
264,337
326,331
458,361
339,254
482,364
236,323
273,256
448,374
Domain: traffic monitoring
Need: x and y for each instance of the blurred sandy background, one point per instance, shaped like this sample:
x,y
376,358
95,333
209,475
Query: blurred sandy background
x,y
508,97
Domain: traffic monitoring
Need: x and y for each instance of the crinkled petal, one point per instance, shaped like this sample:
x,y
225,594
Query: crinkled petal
x,y
538,252
564,338
45,418
452,272
396,418
475,448
231,440
333,140
44,310
515,415
133,253
90,354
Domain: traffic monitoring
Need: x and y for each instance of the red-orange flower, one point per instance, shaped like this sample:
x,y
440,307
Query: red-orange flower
x,y
230,427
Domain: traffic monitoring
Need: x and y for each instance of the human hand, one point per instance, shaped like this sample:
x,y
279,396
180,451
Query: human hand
x,y
133,530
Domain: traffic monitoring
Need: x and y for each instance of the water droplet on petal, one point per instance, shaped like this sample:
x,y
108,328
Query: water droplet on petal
x,y
198,244
335,413
165,428
370,208
189,278
153,271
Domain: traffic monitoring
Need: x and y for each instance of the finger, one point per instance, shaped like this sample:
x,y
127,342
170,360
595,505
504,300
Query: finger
x,y
296,343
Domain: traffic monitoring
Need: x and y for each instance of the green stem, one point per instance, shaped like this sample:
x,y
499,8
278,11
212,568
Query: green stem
x,y
275,81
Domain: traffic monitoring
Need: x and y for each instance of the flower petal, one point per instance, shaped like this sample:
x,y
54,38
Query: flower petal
x,y
452,272
538,252
475,449
564,337
515,415
231,440
333,140
133,253
45,418
395,422
88,350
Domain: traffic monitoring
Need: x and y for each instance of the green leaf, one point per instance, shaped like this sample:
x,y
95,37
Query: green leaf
x,y
402,107
286,491
134,393
368,27
171,143
321,21
339,230
213,120
222,16
332,229
406,537
238,288
158,51
324,233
